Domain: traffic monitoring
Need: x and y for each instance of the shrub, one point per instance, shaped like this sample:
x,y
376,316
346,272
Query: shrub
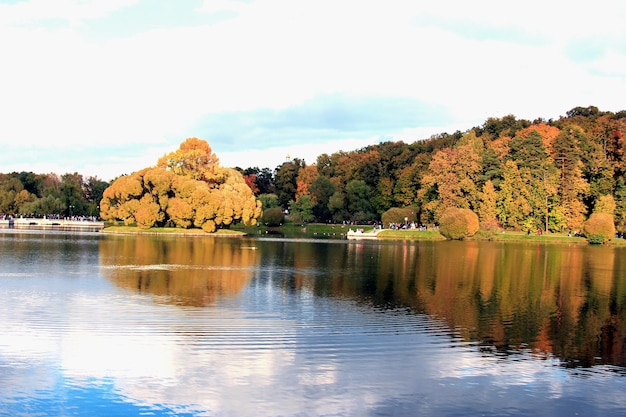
x,y
489,229
599,228
457,223
268,200
397,215
273,216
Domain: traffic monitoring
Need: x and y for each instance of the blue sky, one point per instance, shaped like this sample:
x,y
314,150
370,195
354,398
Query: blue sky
x,y
105,87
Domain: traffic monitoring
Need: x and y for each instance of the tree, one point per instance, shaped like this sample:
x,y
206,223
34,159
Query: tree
x,y
605,204
599,228
263,180
458,223
620,206
337,206
194,159
572,185
203,196
273,217
399,215
321,190
302,209
94,189
512,203
491,167
405,191
285,181
383,199
487,207
358,201
72,194
306,176
268,200
250,180
454,175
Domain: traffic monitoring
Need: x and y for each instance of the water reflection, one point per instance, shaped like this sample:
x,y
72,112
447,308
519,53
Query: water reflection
x,y
167,326
180,270
568,301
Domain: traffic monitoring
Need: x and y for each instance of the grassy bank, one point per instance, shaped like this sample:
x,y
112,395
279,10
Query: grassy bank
x,y
170,231
298,231
339,231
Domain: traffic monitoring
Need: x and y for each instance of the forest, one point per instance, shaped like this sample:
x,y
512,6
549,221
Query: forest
x,y
513,173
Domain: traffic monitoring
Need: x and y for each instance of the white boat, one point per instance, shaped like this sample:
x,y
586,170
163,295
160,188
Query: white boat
x,y
360,234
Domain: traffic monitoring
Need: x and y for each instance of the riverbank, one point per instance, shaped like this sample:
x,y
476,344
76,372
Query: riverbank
x,y
340,231
47,223
169,231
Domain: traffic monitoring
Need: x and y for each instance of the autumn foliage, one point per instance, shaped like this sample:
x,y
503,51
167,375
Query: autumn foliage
x,y
599,228
457,223
399,215
187,189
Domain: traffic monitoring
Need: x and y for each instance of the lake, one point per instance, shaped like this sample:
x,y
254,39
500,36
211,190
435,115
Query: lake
x,y
102,325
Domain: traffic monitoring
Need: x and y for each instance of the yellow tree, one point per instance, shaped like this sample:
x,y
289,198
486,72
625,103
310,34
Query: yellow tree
x,y
194,159
573,187
187,189
487,208
513,204
453,175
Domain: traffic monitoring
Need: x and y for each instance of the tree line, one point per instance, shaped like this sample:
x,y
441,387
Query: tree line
x,y
67,195
513,173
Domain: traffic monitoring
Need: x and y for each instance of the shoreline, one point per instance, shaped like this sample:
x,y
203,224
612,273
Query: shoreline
x,y
130,230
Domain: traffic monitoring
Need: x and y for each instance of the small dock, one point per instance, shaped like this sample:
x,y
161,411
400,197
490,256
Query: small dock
x,y
52,224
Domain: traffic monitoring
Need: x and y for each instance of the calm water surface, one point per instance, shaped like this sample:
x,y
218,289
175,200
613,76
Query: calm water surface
x,y
96,325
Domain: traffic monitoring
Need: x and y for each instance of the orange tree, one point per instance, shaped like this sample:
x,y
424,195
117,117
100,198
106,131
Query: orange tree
x,y
187,189
457,223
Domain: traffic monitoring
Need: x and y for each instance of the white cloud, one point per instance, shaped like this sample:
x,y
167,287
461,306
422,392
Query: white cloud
x,y
73,11
477,60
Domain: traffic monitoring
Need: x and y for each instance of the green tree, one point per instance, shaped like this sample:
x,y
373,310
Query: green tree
x,y
491,168
273,217
358,199
285,181
383,199
268,200
302,209
93,191
72,194
620,206
399,215
321,190
337,206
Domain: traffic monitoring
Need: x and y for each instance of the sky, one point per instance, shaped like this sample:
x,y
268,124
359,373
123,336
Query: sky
x,y
106,87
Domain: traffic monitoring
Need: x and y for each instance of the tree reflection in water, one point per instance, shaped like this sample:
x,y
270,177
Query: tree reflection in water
x,y
566,301
178,270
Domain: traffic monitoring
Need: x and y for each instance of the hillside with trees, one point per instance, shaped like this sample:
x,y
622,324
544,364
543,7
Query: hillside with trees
x,y
513,173
516,174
